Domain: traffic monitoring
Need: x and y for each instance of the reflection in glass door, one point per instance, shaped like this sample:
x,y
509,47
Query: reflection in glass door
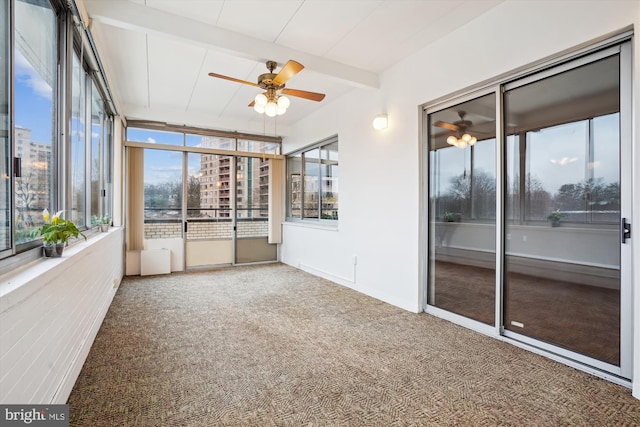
x,y
562,265
462,209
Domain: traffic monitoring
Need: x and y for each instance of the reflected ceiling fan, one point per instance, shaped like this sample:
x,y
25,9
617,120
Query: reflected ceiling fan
x,y
272,102
460,128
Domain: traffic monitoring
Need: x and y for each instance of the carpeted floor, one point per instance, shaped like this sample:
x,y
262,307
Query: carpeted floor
x,y
270,345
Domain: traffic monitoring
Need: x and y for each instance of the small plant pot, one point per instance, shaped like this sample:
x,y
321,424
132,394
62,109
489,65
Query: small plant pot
x,y
104,227
53,251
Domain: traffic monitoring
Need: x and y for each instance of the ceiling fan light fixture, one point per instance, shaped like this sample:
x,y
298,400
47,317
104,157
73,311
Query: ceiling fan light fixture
x,y
283,102
271,109
271,102
462,142
261,99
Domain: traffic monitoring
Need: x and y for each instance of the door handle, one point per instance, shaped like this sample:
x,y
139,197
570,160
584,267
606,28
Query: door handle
x,y
625,230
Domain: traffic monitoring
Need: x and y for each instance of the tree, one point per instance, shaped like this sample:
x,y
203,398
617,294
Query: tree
x,y
193,196
26,191
472,195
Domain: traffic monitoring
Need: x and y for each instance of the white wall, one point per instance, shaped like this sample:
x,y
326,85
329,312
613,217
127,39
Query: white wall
x,y
50,314
379,171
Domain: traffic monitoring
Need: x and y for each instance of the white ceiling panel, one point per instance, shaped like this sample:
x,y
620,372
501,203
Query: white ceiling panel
x,y
159,52
383,48
126,56
258,18
173,71
317,28
206,11
215,95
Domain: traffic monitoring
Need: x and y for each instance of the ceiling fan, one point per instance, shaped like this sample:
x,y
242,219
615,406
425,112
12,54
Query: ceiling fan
x,y
272,102
460,127
457,126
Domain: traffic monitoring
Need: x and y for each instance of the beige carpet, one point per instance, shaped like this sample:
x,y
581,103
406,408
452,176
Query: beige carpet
x,y
272,346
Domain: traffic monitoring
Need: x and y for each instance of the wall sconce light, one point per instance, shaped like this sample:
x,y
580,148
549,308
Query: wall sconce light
x,y
380,122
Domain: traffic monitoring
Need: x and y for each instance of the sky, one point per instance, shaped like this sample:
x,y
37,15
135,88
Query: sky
x,y
33,101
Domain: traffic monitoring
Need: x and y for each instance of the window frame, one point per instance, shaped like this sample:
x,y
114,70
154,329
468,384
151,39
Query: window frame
x,y
320,161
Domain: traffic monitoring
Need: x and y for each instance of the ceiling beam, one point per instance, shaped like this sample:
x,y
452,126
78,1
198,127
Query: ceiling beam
x,y
136,17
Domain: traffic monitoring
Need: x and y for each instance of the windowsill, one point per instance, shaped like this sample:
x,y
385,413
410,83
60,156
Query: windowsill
x,y
309,224
23,281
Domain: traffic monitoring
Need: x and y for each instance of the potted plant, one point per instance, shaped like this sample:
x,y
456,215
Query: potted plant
x,y
555,217
55,233
452,217
105,222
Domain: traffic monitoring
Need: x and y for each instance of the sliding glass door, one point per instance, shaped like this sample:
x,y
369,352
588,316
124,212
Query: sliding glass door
x,y
209,236
227,210
526,235
562,282
252,211
462,208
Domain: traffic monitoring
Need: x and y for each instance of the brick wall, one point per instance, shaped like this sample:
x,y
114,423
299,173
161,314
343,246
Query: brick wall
x,y
162,230
205,230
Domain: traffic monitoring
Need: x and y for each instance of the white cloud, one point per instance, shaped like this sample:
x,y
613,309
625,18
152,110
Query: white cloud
x,y
27,75
151,140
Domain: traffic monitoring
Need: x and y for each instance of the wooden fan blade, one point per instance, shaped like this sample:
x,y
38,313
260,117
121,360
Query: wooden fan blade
x,y
313,96
290,69
220,76
446,125
252,103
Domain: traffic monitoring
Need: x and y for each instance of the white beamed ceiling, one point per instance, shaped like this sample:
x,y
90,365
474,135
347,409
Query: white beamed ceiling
x,y
158,52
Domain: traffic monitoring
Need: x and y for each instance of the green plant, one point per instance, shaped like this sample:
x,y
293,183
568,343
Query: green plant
x,y
556,216
106,220
452,217
56,230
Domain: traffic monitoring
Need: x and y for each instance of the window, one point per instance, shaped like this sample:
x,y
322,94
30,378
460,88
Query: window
x,y
154,136
90,149
77,142
571,165
55,153
97,123
35,68
5,141
312,182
